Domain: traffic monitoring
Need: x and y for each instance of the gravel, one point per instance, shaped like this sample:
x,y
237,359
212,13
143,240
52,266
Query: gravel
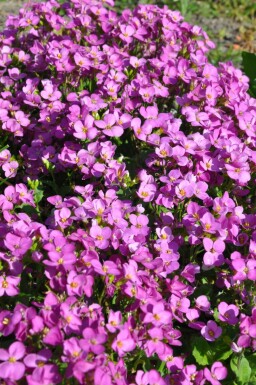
x,y
9,7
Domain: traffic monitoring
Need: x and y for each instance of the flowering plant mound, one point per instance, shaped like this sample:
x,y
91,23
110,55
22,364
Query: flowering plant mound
x,y
128,220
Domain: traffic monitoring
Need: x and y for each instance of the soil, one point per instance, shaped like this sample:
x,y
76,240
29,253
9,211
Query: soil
x,y
228,33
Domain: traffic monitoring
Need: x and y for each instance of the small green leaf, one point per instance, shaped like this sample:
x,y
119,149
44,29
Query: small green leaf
x,y
27,209
252,361
249,64
206,353
200,351
4,147
241,367
38,195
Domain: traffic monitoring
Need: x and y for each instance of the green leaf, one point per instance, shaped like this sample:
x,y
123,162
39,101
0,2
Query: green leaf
x,y
249,67
4,147
249,64
38,196
252,361
221,349
206,353
27,209
241,367
200,351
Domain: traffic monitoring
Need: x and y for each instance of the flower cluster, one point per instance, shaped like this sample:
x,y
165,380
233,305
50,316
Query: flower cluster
x,y
128,222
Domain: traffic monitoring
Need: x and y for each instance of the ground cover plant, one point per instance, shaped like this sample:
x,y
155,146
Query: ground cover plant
x,y
128,221
229,23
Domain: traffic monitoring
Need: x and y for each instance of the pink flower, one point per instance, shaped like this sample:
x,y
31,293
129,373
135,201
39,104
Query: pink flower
x,y
185,189
8,285
93,340
228,313
44,375
209,223
114,321
173,363
75,283
17,245
101,236
153,377
85,129
218,372
214,250
155,344
50,92
127,31
136,63
82,61
21,118
157,315
63,217
147,192
123,343
9,321
211,331
203,303
12,369
109,125
10,169
35,360
244,269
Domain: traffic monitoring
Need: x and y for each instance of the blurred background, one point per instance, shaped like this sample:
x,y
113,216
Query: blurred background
x,y
231,24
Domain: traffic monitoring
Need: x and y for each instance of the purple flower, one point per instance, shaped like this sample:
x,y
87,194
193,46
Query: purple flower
x,y
173,363
211,331
44,375
114,321
109,126
208,223
203,303
10,169
63,217
127,31
152,377
12,368
8,285
123,343
75,283
9,321
101,236
50,92
244,269
214,252
218,372
17,245
185,189
155,344
228,313
93,340
85,129
157,315
147,192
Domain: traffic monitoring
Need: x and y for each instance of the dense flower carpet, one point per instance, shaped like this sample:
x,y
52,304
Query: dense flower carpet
x,y
128,218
